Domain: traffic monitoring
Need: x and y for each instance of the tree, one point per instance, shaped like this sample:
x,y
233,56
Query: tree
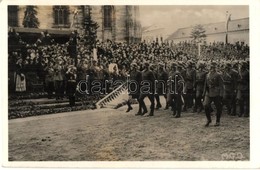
x,y
90,28
30,20
198,33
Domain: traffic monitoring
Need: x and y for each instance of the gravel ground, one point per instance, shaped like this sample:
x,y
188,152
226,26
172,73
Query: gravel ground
x,y
113,135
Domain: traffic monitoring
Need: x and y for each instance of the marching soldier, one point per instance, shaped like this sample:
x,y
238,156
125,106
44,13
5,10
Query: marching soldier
x,y
134,86
229,83
199,85
212,91
161,86
243,90
147,90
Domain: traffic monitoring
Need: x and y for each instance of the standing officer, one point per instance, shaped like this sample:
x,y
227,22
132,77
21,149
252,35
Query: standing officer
x,y
212,90
147,89
229,83
71,84
243,90
190,79
199,85
175,88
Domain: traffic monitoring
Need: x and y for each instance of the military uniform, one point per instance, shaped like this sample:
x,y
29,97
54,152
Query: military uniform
x,y
243,90
147,90
135,79
161,77
229,88
175,88
71,84
199,86
212,89
190,79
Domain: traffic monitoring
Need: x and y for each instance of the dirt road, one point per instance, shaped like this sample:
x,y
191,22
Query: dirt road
x,y
113,135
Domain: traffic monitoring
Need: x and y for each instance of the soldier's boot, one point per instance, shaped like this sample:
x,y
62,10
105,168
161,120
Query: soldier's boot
x,y
194,110
178,115
129,106
208,111
166,107
174,113
158,106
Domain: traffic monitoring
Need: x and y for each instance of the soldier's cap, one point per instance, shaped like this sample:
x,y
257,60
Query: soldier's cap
x,y
213,64
243,63
174,64
228,64
180,64
146,63
161,64
72,67
201,64
189,63
134,64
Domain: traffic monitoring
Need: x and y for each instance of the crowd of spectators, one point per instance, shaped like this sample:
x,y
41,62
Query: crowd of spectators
x,y
44,57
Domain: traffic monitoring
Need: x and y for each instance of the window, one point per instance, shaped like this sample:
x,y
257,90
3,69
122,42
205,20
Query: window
x,y
61,14
13,15
107,17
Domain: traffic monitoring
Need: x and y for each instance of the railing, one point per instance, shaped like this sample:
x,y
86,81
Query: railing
x,y
111,96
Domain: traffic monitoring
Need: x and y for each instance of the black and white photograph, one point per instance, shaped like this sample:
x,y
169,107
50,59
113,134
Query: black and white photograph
x,y
113,82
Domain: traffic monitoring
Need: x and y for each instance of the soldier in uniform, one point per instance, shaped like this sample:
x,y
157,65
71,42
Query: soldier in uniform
x,y
212,90
199,86
229,84
190,80
135,78
175,88
243,90
71,84
147,90
162,78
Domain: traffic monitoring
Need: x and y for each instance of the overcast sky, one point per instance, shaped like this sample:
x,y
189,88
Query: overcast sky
x,y
174,17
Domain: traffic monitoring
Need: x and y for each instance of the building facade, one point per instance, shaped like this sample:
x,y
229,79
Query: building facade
x,y
153,34
238,30
116,23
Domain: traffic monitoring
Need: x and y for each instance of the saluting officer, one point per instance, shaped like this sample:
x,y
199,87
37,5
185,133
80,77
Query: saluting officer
x,y
212,90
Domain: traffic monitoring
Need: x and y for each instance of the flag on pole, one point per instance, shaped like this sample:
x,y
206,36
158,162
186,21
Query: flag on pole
x,y
228,18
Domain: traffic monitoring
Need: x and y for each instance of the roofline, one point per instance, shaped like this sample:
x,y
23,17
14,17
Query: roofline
x,y
208,34
212,23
